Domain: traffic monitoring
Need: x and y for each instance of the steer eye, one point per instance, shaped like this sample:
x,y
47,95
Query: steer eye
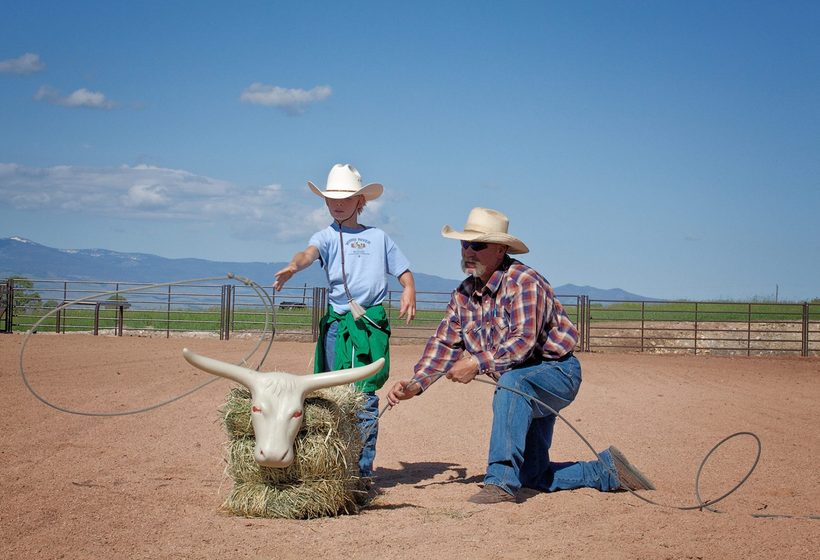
x,y
297,414
256,409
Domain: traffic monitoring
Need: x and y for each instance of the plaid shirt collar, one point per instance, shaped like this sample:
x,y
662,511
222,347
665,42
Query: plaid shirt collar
x,y
492,286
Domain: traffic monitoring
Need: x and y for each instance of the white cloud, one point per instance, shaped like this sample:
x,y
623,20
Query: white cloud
x,y
150,193
292,101
78,98
146,196
28,63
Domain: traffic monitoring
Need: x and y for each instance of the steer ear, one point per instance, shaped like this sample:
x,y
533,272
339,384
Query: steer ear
x,y
243,375
341,377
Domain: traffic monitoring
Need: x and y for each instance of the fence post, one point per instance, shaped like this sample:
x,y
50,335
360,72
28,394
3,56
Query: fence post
x,y
222,312
314,325
317,311
580,306
60,315
232,324
643,322
229,316
7,300
225,312
805,329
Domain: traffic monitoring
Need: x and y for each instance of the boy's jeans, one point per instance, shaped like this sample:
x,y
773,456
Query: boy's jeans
x,y
368,417
522,432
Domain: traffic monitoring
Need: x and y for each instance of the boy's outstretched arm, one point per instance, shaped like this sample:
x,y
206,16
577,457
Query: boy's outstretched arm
x,y
300,261
407,306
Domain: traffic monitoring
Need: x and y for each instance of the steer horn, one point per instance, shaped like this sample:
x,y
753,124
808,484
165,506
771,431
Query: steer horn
x,y
340,377
249,378
242,375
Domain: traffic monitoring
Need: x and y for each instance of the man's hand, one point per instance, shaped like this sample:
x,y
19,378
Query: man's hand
x,y
402,391
464,370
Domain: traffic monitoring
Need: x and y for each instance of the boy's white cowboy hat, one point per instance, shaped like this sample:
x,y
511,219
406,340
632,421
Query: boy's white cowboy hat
x,y
344,181
490,226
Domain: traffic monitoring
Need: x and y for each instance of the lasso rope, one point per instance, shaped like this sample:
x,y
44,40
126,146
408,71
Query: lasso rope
x,y
268,326
701,503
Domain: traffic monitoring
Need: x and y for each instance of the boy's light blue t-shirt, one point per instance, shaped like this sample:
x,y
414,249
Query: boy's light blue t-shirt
x,y
370,255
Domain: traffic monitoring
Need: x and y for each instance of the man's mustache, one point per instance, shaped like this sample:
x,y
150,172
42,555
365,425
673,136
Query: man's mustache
x,y
473,268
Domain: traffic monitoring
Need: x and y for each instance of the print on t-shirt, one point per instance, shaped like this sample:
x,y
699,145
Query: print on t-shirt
x,y
358,247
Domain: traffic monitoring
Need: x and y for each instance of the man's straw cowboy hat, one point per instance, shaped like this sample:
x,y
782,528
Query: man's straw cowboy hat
x,y
489,226
344,181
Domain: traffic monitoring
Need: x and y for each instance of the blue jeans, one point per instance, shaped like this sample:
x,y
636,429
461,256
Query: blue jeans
x,y
522,432
368,416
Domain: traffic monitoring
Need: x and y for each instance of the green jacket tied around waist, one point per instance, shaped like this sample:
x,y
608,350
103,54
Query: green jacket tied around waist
x,y
369,341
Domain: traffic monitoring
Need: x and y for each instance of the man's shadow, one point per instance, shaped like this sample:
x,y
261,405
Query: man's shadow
x,y
421,475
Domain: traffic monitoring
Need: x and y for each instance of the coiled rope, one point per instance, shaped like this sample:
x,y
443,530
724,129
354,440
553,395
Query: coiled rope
x,y
701,504
267,328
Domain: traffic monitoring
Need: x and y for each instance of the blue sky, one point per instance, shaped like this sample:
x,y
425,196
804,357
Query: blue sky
x,y
671,149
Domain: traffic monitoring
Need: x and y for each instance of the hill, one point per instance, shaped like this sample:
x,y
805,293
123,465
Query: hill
x,y
613,294
26,258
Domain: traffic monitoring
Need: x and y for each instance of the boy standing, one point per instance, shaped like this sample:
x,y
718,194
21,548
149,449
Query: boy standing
x,y
356,258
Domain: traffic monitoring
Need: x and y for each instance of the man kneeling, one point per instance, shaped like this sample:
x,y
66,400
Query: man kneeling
x,y
505,322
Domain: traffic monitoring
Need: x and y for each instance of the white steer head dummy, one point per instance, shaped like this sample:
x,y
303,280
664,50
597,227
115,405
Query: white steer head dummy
x,y
277,399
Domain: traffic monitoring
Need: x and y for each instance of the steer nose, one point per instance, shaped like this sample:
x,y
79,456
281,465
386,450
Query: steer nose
x,y
267,459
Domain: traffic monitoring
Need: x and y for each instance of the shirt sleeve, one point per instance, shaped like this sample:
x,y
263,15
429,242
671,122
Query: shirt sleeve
x,y
319,240
397,263
443,349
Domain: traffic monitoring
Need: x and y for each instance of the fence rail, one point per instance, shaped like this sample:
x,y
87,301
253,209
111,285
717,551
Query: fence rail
x,y
749,328
705,327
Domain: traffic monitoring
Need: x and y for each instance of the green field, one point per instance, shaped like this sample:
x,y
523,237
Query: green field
x,y
206,320
700,311
300,320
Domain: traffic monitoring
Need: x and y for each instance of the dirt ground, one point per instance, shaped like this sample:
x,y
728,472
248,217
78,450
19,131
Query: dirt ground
x,y
150,485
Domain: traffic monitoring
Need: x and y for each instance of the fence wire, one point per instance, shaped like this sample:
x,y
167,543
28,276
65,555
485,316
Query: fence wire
x,y
223,310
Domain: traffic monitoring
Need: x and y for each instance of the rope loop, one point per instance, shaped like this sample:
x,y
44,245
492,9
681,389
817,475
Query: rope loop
x,y
260,292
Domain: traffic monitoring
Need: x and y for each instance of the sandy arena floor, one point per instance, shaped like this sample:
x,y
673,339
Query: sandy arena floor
x,y
150,485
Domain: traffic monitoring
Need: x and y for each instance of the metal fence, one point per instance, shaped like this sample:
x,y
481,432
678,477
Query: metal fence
x,y
749,328
225,309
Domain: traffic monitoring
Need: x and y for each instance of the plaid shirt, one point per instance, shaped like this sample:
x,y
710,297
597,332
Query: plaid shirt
x,y
514,318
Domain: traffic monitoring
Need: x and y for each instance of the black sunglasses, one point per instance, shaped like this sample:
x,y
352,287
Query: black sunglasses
x,y
474,245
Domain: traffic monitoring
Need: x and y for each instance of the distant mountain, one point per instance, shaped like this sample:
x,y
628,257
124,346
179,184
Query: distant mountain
x,y
614,294
23,257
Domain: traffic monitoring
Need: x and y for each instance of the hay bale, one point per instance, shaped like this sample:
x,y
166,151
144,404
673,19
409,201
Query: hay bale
x,y
307,500
324,477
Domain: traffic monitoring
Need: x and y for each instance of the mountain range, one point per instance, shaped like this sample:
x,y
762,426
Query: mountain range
x,y
20,257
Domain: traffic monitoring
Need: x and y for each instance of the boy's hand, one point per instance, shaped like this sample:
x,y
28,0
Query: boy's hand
x,y
407,305
283,276
300,261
